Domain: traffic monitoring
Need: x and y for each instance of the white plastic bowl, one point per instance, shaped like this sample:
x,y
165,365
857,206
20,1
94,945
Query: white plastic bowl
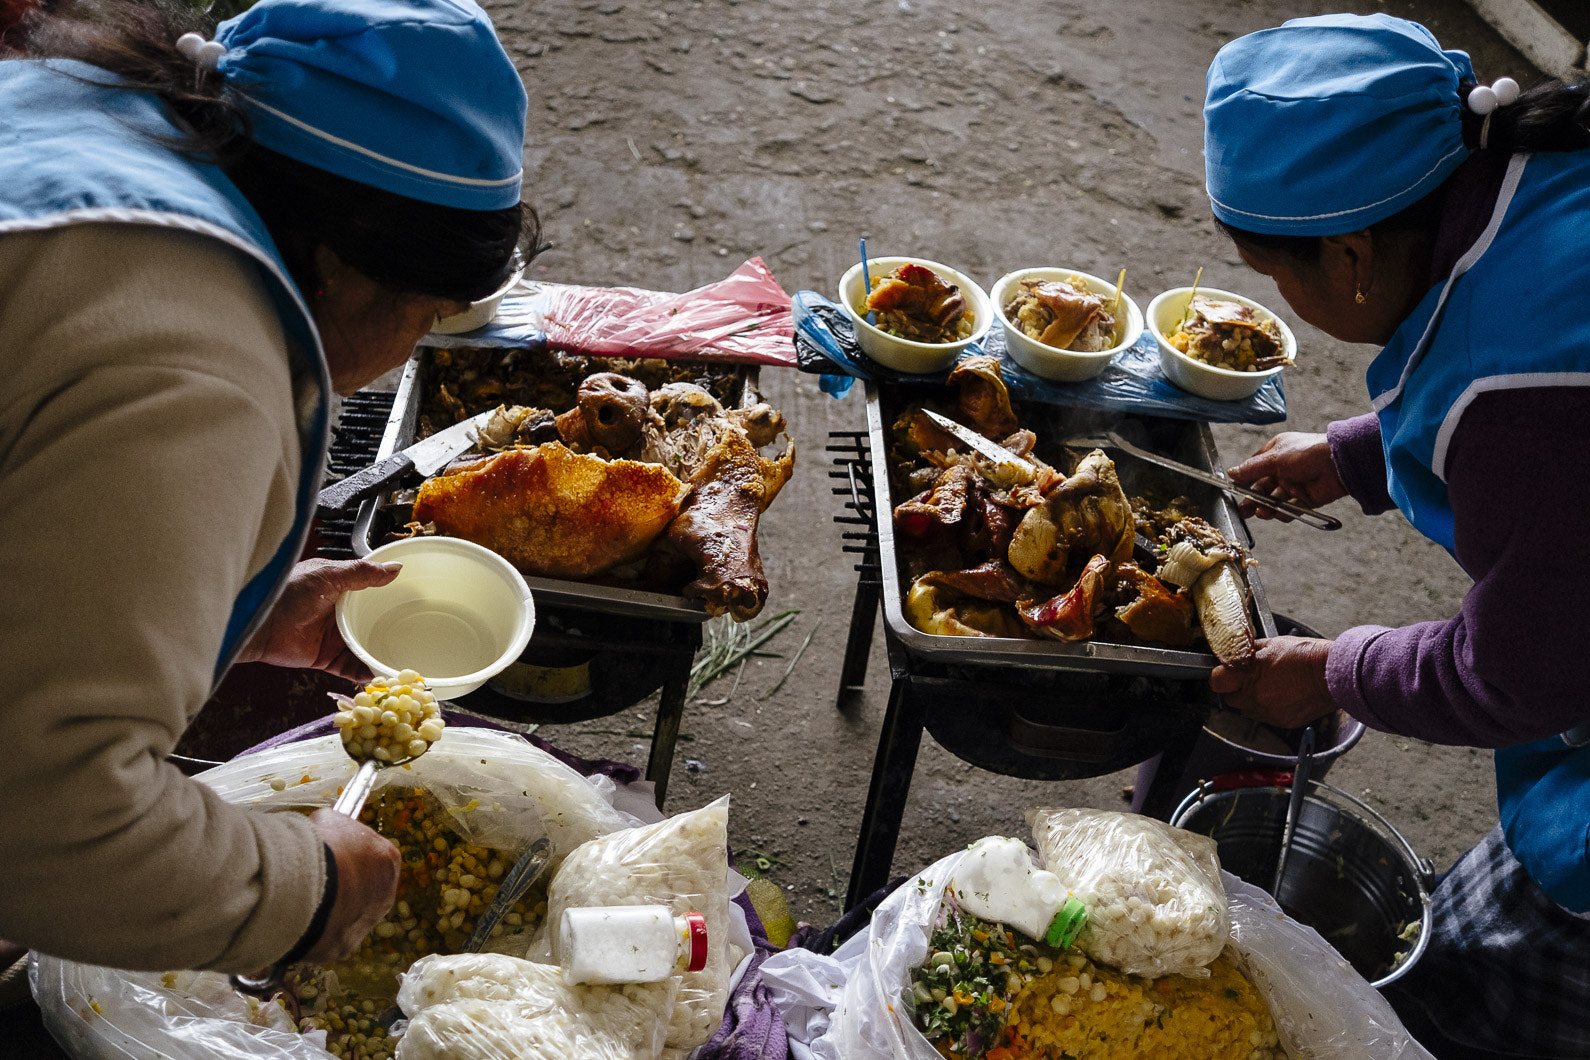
x,y
904,355
1063,366
1193,375
480,313
457,613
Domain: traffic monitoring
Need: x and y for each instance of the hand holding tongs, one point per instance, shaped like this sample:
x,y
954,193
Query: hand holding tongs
x,y
1111,440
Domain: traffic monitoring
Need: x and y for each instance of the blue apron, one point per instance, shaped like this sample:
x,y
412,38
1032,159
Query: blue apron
x,y
75,153
1515,313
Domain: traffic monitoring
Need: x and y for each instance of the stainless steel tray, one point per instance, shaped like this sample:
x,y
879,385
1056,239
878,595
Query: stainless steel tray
x,y
1185,440
400,432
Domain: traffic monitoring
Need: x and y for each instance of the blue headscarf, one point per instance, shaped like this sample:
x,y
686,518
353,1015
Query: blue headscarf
x,y
415,97
1326,125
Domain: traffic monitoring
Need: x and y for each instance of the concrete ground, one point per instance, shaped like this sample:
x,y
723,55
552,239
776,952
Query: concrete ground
x,y
668,142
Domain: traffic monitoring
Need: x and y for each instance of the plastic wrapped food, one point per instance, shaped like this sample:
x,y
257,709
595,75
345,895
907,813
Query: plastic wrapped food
x,y
1155,902
682,863
494,1007
496,791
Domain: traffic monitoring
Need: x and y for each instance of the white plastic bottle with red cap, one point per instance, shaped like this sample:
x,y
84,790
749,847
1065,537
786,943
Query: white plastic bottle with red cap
x,y
629,944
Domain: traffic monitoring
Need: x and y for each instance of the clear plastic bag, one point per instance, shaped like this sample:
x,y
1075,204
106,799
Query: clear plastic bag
x,y
1323,1009
683,863
1153,893
494,1007
499,790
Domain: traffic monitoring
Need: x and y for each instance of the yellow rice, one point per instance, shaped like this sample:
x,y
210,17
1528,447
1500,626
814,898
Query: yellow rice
x,y
1085,1012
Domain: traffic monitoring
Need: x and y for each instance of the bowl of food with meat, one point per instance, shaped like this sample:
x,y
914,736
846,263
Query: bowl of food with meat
x,y
1062,324
915,315
1217,344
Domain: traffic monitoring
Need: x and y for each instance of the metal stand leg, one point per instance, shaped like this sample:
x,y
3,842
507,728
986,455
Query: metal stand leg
x,y
1160,800
858,648
669,711
898,744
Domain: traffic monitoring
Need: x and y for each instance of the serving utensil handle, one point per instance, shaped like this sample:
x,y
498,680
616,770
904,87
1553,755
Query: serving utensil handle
x,y
344,493
1308,516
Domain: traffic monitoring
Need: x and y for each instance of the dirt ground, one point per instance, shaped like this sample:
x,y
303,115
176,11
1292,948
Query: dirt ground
x,y
670,141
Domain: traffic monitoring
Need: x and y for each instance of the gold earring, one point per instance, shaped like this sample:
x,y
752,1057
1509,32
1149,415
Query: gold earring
x,y
1358,295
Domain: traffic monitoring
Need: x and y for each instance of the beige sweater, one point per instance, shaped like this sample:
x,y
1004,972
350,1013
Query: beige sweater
x,y
148,463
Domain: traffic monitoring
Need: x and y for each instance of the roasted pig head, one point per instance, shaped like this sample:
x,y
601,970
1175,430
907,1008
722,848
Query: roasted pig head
x,y
610,414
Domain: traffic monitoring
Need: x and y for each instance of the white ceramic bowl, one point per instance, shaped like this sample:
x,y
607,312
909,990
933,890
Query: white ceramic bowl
x,y
457,612
1063,366
1191,374
904,355
480,313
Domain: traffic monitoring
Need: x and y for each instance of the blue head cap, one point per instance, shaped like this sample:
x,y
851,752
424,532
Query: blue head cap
x,y
1327,125
415,97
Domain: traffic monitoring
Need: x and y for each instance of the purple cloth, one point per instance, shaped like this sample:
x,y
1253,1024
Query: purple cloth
x,y
1505,670
621,772
751,1029
1361,462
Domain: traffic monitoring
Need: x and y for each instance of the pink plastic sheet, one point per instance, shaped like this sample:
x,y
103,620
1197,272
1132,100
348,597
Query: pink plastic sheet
x,y
744,317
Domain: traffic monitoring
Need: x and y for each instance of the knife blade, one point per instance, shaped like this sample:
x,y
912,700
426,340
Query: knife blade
x,y
427,456
1002,458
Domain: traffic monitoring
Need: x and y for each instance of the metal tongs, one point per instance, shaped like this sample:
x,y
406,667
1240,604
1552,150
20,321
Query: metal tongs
x,y
1294,806
1111,440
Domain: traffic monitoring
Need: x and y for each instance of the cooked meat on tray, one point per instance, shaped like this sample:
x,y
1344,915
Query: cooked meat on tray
x,y
1019,548
654,486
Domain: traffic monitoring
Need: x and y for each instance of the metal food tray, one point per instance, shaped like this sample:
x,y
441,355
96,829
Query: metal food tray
x,y
1185,440
608,599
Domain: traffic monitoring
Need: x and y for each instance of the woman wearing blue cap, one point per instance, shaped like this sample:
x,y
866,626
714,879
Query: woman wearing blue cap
x,y
1395,201
199,241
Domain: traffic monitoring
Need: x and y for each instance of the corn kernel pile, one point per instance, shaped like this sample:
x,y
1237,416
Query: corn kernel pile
x,y
443,887
1088,1012
391,720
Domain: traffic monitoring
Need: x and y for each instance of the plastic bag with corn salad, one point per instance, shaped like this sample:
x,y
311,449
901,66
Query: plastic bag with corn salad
x,y
860,1002
484,795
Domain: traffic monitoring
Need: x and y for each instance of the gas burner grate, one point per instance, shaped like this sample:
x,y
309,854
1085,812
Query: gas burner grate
x,y
355,441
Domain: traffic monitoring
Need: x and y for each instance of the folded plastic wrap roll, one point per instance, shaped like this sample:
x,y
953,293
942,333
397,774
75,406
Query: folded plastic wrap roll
x,y
493,1007
1155,902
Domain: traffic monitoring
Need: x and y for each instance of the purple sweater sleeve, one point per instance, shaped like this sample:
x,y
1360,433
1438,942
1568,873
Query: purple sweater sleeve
x,y
1360,461
1506,669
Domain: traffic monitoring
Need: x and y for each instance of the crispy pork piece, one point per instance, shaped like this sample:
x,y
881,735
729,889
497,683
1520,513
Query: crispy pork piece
x,y
943,506
933,607
761,422
1156,613
993,581
553,512
1062,314
717,529
1087,514
1070,615
915,303
983,398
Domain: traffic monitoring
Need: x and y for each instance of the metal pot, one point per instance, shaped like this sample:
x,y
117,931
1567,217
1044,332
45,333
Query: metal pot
x,y
1351,875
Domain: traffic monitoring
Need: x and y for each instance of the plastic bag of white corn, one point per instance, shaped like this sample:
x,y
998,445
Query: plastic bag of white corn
x,y
682,863
1153,893
499,790
852,1004
494,1007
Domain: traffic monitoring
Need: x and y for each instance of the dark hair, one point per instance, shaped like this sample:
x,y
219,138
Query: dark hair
x,y
1550,116
401,243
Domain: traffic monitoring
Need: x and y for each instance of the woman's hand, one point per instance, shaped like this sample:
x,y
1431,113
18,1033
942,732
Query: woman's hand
x,y
367,876
1284,687
1292,466
301,630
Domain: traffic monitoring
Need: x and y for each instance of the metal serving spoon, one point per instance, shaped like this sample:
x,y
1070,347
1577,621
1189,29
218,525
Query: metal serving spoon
x,y
349,804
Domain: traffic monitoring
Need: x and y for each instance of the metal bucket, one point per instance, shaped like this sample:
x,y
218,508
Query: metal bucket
x,y
1351,876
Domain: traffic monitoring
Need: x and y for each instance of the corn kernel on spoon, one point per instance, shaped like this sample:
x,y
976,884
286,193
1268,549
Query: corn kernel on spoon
x,y
377,732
